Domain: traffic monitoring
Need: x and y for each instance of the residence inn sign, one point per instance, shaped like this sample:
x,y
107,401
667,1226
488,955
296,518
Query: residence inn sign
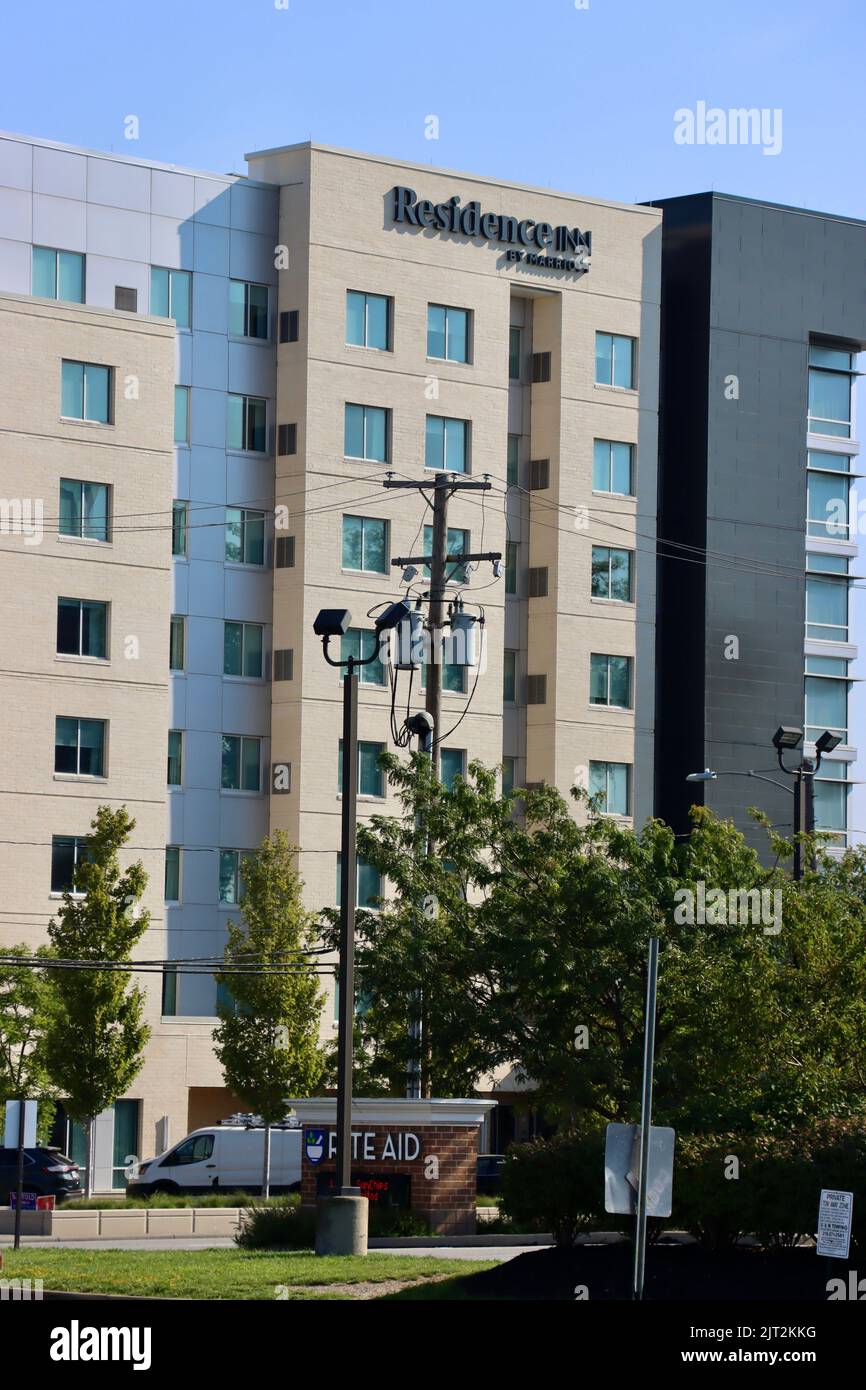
x,y
573,247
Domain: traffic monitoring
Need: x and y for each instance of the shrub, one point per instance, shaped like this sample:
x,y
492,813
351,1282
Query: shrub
x,y
167,1200
776,1192
395,1221
280,1226
556,1185
284,1226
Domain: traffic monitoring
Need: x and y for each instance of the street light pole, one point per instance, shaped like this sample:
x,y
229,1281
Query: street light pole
x,y
342,1225
803,789
348,899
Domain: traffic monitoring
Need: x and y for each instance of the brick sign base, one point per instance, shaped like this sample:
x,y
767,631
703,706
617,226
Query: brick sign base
x,y
441,1169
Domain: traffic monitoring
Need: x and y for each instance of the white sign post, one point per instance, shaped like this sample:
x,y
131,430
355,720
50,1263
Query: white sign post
x,y
834,1223
12,1124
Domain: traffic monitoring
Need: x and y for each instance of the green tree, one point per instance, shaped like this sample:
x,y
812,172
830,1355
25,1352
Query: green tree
x,y
526,933
430,941
24,1009
268,1036
95,1038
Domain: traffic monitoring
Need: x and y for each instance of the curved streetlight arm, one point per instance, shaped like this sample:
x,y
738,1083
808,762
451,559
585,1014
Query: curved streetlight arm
x,y
807,768
350,662
759,776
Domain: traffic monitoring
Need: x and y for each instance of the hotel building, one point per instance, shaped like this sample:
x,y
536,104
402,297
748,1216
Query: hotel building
x,y
206,382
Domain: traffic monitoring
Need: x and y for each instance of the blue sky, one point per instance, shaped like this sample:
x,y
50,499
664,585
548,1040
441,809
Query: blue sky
x,y
581,99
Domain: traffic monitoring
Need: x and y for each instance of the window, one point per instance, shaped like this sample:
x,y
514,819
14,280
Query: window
x,y
538,578
536,690
612,573
181,414
827,505
289,325
446,444
245,536
241,763
169,991
58,275
365,432
540,366
612,467
242,649
179,519
826,696
447,333
368,320
831,800
284,667
611,781
509,676
85,510
287,440
246,429
453,677
172,873
452,764
508,774
610,680
170,296
830,374
511,567
539,474
614,360
514,354
67,852
368,884
371,778
79,747
177,642
174,777
232,888
512,475
832,463
85,392
284,557
360,643
457,543
82,628
248,309
827,608
365,544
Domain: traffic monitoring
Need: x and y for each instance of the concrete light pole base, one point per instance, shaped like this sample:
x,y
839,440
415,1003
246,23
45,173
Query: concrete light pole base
x,y
341,1226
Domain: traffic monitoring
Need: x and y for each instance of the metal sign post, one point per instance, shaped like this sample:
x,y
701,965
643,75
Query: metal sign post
x,y
19,1183
645,1117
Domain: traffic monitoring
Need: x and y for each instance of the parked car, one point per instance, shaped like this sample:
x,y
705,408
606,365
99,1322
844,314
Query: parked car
x,y
222,1158
47,1172
489,1174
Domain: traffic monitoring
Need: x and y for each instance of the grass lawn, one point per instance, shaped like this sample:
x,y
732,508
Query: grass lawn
x,y
225,1274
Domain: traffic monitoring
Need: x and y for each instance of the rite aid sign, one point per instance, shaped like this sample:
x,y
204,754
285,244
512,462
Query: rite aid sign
x,y
573,247
367,1145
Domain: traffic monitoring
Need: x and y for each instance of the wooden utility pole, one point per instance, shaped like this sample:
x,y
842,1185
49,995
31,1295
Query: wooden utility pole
x,y
443,485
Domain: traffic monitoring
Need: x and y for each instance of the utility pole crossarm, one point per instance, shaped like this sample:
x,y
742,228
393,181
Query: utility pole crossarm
x,y
403,560
454,481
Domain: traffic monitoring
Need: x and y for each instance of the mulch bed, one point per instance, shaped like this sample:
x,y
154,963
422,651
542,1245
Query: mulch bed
x,y
673,1273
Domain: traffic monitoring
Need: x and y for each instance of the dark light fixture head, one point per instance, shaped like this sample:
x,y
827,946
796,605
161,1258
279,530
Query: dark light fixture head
x,y
393,615
827,742
332,622
786,736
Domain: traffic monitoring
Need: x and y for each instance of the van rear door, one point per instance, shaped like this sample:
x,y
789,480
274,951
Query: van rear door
x,y
285,1157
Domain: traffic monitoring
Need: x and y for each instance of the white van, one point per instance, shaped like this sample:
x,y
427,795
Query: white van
x,y
222,1158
